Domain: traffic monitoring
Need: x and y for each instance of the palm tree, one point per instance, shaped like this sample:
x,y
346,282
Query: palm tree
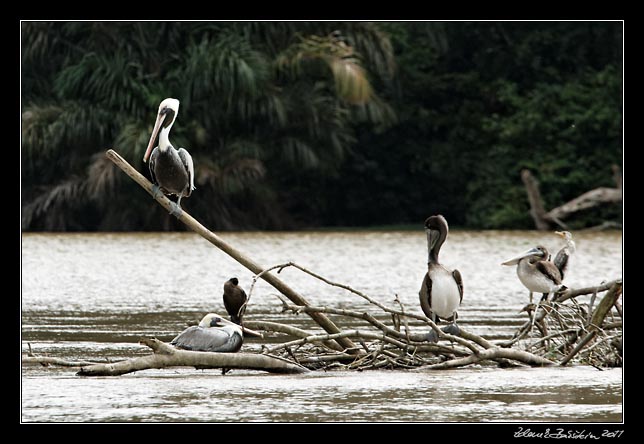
x,y
257,100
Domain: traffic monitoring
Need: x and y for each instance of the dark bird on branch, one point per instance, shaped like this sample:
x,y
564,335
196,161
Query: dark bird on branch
x,y
234,300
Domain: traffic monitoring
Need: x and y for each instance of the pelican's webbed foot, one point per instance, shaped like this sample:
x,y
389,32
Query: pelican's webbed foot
x,y
176,210
452,329
156,192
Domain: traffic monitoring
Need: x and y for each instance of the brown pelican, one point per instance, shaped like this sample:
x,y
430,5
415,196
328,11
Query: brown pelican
x,y
234,298
172,170
442,290
562,259
536,272
213,334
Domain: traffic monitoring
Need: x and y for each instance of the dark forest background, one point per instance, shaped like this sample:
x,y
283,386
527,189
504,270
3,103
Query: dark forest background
x,y
320,124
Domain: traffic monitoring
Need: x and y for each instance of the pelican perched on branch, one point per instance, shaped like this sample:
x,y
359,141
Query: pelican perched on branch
x,y
234,299
442,290
536,272
213,334
562,259
172,170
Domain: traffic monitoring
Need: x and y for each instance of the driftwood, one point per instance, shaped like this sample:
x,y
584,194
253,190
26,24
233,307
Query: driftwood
x,y
383,344
545,220
388,337
578,329
167,356
599,314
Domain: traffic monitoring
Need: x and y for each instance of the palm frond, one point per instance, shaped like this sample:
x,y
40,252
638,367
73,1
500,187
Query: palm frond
x,y
350,78
224,70
111,80
102,177
298,152
37,121
66,193
240,174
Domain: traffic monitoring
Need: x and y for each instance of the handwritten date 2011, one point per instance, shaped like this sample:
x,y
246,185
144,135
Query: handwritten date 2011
x,y
561,433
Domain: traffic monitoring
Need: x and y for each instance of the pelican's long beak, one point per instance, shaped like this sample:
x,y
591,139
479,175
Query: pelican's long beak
x,y
560,234
530,252
155,131
432,237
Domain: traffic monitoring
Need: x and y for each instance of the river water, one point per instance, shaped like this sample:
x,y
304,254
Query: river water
x,y
93,296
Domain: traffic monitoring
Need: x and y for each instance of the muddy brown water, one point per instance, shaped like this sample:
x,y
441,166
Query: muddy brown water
x,y
92,296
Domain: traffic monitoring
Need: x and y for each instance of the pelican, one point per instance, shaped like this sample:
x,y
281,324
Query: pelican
x,y
172,170
442,290
234,299
213,334
536,272
562,259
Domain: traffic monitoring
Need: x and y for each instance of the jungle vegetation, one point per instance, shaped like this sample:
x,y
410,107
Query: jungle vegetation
x,y
320,124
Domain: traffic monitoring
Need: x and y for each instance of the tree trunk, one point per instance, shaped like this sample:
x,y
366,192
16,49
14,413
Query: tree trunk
x,y
537,211
598,196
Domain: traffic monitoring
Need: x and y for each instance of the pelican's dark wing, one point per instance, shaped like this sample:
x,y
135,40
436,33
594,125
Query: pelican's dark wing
x,y
196,338
425,294
186,159
459,282
152,164
550,271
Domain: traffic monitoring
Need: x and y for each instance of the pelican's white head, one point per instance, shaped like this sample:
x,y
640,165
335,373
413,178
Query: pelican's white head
x,y
168,110
215,320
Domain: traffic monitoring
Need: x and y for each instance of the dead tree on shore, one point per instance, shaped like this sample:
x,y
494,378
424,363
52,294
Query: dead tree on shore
x,y
545,220
388,336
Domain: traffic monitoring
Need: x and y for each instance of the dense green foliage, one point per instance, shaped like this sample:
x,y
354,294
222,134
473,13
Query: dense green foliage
x,y
296,124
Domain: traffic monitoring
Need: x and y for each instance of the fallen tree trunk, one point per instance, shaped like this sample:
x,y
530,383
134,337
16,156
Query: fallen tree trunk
x,y
167,356
544,220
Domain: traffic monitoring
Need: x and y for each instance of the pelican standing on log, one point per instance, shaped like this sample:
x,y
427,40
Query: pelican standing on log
x,y
536,272
442,290
172,170
213,334
234,299
562,259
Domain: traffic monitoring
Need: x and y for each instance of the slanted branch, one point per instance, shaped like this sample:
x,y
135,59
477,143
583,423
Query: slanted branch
x,y
545,220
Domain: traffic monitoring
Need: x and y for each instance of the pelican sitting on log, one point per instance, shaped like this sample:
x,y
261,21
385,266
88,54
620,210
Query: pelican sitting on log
x,y
234,299
172,170
562,259
536,272
213,334
442,290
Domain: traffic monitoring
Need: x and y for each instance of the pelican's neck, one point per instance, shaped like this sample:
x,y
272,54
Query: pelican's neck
x,y
164,140
571,245
433,252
